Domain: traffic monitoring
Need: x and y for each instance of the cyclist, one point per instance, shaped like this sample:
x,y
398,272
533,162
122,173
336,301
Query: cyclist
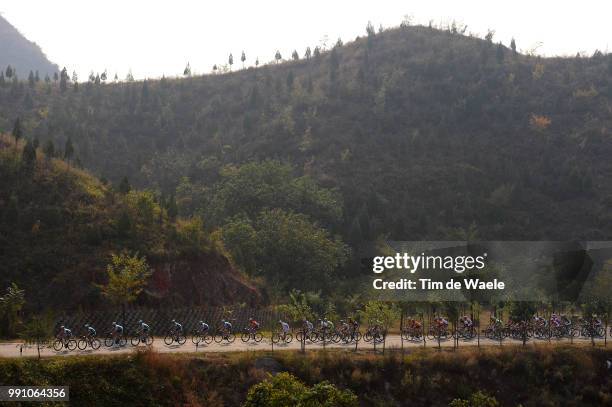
x,y
467,321
253,325
64,333
144,328
344,327
117,332
203,327
329,325
307,325
284,327
91,332
227,327
177,328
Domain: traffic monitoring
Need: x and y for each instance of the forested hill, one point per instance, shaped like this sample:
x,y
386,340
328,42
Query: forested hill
x,y
425,133
59,227
22,55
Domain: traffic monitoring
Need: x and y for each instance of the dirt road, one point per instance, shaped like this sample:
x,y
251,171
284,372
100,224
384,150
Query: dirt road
x,y
18,349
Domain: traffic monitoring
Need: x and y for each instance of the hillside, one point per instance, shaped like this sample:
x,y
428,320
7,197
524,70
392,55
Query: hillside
x,y
21,54
426,134
536,376
59,226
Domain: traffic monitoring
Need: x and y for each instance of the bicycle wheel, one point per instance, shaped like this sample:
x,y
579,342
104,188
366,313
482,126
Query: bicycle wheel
x,y
218,338
148,340
299,336
109,340
276,337
288,337
196,338
58,344
230,338
245,336
181,339
122,341
72,344
258,337
82,344
135,340
95,344
168,339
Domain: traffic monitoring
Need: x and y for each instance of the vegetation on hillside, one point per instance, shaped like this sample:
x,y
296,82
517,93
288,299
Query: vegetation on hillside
x,y
502,376
64,231
423,132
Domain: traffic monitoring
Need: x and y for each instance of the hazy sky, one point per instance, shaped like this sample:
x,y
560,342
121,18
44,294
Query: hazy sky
x,y
160,37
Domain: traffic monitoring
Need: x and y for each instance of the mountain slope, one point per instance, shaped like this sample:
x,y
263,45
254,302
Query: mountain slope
x,y
427,134
21,54
59,226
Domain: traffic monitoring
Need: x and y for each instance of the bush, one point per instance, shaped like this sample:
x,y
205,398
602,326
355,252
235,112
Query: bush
x,y
286,390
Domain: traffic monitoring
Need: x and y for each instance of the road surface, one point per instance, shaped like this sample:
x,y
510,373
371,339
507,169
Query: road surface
x,y
19,349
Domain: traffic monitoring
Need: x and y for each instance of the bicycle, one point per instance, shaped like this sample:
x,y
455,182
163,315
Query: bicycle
x,y
88,340
201,337
112,339
175,336
250,333
68,343
142,337
374,333
224,335
282,336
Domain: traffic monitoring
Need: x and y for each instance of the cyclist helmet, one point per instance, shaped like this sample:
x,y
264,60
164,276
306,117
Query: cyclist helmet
x,y
62,327
140,321
201,322
114,323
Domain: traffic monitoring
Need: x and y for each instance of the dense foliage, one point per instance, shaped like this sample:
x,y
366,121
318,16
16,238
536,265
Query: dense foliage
x,y
503,376
60,226
422,132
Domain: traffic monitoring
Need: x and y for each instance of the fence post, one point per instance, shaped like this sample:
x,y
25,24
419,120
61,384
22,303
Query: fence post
x,y
402,332
423,329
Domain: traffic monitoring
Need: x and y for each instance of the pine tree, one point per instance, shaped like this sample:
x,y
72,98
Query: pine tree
x,y
317,52
49,149
243,58
230,60
31,80
2,80
513,46
104,76
295,56
257,62
75,81
308,53
500,53
124,185
17,130
187,70
278,56
36,77
172,208
68,150
9,72
64,80
28,157
339,43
